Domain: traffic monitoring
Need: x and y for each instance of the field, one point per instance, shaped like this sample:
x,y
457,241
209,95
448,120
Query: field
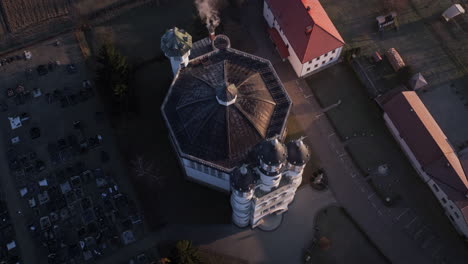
x,y
20,14
86,7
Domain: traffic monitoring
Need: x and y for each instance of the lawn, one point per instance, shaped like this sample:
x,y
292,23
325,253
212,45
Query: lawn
x,y
359,123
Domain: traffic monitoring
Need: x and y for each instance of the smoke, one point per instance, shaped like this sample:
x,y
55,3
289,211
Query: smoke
x,y
209,12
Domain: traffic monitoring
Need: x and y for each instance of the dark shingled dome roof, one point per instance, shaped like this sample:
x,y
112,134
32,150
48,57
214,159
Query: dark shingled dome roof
x,y
223,135
298,152
243,179
272,151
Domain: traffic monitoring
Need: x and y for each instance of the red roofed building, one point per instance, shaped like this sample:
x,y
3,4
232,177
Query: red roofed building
x,y
309,40
431,154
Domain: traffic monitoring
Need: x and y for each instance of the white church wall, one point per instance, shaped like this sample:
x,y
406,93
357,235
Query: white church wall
x,y
206,174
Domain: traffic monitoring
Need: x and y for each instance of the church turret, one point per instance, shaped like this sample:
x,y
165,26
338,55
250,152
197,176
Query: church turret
x,y
298,156
176,44
242,186
271,156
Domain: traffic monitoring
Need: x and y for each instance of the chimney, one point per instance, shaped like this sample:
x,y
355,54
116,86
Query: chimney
x,y
211,30
308,8
212,35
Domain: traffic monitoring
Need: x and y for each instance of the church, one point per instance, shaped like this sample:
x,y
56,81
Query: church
x,y
226,112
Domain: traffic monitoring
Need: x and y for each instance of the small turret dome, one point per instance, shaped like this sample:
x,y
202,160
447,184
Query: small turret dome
x,y
242,179
272,152
298,152
176,42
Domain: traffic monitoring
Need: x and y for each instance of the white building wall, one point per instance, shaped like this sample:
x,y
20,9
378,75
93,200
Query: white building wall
x,y
206,174
241,207
267,14
451,210
321,61
274,202
295,174
176,62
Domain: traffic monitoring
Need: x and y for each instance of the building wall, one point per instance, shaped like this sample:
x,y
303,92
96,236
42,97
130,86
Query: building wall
x,y
267,14
310,66
177,61
206,174
451,210
274,202
321,61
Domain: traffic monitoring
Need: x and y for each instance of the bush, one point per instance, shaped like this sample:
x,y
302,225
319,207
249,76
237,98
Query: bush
x,y
185,253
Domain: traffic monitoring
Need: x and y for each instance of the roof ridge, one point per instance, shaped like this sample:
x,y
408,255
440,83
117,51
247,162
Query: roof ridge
x,y
247,116
328,32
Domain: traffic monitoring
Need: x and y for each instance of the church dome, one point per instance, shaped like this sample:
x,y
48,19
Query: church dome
x,y
298,152
243,179
272,152
223,104
176,42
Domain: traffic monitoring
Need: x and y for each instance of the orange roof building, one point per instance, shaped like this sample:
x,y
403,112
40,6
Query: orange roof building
x,y
306,31
431,154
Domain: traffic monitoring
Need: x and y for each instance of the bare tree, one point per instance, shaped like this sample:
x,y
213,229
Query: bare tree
x,y
146,170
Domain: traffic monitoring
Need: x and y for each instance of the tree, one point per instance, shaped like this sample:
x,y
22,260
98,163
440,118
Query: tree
x,y
164,261
146,170
113,75
185,253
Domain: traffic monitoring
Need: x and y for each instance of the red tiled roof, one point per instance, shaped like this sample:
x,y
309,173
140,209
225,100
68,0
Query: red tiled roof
x,y
428,143
293,18
280,45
